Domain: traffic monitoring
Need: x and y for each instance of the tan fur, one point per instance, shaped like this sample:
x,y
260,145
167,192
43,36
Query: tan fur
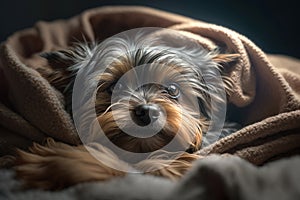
x,y
172,168
56,165
188,129
225,58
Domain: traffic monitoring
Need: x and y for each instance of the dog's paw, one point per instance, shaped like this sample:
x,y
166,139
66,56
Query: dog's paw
x,y
168,165
57,165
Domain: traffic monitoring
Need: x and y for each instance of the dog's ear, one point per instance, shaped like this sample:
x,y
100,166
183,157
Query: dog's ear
x,y
58,74
60,59
226,63
225,60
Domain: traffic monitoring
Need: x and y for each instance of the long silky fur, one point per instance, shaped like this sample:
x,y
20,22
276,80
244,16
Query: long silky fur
x,y
56,165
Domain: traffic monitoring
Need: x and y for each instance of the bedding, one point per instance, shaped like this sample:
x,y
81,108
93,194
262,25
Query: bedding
x,y
215,177
265,101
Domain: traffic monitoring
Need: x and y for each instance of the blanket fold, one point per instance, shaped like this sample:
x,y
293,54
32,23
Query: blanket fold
x,y
265,97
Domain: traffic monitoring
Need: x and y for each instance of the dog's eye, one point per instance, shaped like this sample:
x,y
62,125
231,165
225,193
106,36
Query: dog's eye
x,y
173,90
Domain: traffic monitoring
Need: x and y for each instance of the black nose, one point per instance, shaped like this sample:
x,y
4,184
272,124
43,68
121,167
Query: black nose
x,y
145,114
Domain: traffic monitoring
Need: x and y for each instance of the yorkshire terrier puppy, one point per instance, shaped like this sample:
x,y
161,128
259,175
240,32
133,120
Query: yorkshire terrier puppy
x,y
166,100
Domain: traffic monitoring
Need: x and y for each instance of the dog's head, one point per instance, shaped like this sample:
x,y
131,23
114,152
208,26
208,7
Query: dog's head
x,y
148,92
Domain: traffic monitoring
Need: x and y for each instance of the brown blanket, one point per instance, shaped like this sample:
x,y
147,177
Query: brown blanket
x,y
265,99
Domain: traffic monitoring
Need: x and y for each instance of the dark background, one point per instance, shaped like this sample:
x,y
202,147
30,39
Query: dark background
x,y
272,25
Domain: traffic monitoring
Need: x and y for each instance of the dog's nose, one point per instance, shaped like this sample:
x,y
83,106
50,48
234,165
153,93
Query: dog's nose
x,y
146,114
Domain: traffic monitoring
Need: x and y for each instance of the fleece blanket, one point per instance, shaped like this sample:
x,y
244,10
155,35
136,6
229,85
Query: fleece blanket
x,y
213,178
265,98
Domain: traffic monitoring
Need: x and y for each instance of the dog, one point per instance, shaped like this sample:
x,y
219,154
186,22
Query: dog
x,y
168,99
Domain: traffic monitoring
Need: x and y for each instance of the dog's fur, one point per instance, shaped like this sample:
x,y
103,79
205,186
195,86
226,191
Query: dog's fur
x,y
56,165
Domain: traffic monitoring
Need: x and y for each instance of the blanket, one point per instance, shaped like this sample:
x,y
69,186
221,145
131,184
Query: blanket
x,y
214,178
265,98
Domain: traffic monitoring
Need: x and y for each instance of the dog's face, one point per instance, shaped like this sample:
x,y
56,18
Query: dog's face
x,y
147,96
157,97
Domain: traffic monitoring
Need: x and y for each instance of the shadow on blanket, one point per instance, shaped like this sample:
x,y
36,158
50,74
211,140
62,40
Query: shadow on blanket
x,y
214,177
